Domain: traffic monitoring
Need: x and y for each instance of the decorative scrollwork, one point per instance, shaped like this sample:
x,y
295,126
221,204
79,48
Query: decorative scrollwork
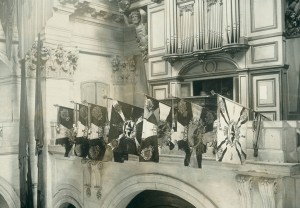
x,y
88,191
99,194
123,71
54,62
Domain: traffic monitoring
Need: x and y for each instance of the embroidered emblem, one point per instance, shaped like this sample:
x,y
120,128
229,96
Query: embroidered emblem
x,y
64,114
149,105
147,153
182,109
97,113
83,112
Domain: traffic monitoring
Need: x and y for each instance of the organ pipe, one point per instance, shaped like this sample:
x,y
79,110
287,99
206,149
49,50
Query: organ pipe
x,y
194,25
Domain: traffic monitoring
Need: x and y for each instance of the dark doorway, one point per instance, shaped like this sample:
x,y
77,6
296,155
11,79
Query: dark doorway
x,y
222,86
158,199
67,205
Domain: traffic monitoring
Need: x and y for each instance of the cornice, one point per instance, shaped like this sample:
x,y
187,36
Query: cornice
x,y
103,10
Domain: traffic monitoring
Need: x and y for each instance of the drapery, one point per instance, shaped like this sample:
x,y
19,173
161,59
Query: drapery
x,y
32,16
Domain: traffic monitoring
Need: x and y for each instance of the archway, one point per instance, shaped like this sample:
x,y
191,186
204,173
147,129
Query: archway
x,y
67,196
158,199
122,194
3,203
8,194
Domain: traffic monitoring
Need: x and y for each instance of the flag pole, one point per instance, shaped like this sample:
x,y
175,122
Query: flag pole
x,y
39,129
26,192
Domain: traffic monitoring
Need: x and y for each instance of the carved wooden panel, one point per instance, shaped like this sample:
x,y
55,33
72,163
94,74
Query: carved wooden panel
x,y
156,30
266,95
263,15
160,91
158,68
265,52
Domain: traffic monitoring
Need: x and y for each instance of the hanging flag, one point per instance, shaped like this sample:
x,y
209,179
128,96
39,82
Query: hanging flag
x,y
231,133
98,115
26,194
157,126
7,18
39,130
192,122
97,145
64,131
81,141
123,128
32,16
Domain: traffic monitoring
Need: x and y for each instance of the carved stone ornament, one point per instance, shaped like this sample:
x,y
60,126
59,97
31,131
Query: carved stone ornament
x,y
267,189
138,19
85,8
88,191
292,18
124,71
244,186
99,194
54,62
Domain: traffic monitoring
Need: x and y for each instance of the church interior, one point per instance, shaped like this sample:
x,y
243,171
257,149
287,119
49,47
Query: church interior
x,y
149,103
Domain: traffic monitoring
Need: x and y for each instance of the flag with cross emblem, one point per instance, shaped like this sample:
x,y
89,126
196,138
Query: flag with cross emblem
x,y
125,129
231,133
157,125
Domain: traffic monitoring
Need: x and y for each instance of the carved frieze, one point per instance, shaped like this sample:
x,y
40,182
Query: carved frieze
x,y
54,62
124,70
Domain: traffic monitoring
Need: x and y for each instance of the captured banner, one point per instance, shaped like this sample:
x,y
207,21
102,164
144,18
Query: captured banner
x,y
231,133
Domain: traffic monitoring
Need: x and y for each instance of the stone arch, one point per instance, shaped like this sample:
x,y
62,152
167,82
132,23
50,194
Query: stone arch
x,y
9,194
67,194
124,192
187,66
